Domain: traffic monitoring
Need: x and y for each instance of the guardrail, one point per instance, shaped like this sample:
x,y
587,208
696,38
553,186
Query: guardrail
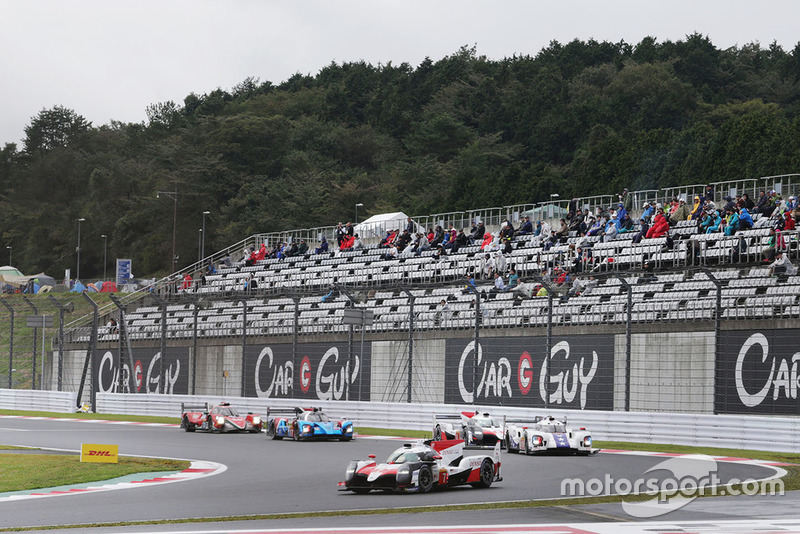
x,y
45,401
723,431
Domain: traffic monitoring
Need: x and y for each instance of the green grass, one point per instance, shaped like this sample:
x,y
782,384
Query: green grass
x,y
34,471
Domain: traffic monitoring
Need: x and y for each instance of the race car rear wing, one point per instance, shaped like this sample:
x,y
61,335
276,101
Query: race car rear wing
x,y
194,407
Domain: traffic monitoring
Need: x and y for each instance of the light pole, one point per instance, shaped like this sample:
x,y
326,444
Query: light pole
x,y
199,245
78,250
203,244
9,254
105,255
359,205
174,196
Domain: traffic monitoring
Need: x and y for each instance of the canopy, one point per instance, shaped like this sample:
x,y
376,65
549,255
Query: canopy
x,y
40,279
378,225
9,270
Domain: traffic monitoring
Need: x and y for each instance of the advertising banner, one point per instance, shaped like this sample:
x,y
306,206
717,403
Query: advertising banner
x,y
757,372
323,371
514,371
147,371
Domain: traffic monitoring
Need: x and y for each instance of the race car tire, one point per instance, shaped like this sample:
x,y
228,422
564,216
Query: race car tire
x,y
187,426
271,431
425,479
295,432
360,491
487,475
508,445
437,433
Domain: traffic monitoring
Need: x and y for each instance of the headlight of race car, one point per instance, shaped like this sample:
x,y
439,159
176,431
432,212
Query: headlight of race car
x,y
587,441
307,429
478,433
256,420
350,471
220,420
537,441
348,429
404,475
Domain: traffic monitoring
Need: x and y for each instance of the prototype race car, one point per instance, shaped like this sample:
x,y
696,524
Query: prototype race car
x,y
421,466
547,434
219,418
476,429
306,424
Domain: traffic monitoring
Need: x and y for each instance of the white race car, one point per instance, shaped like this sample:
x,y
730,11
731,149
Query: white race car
x,y
547,435
420,467
476,429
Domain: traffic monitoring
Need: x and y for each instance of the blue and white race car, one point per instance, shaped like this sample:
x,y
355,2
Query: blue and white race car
x,y
547,435
306,424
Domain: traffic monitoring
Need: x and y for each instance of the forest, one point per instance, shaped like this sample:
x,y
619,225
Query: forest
x,y
465,131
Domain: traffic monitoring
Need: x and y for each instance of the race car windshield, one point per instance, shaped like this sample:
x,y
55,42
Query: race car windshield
x,y
227,411
553,427
486,421
317,417
403,456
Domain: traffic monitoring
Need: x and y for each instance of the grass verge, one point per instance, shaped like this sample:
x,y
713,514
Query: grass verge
x,y
20,472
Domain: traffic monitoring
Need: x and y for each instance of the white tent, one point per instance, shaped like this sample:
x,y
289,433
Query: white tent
x,y
378,225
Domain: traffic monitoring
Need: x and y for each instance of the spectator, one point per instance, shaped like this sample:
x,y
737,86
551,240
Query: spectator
x,y
357,243
772,246
403,240
716,222
422,244
499,285
626,225
782,265
660,225
697,210
747,202
187,282
302,249
745,220
471,287
438,237
526,228
112,325
620,217
291,250
731,221
513,278
506,230
460,241
563,232
649,211
789,223
487,242
262,252
347,242
250,283
626,199
340,233
487,267
323,246
442,313
610,232
479,232
348,229
791,204
499,262
411,228
681,213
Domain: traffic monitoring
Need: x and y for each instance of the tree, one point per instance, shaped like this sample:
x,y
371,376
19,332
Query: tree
x,y
53,128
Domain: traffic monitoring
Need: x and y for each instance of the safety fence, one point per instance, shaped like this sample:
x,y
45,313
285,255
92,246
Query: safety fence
x,y
720,431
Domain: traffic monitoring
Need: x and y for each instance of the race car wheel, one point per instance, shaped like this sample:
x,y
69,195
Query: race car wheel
x,y
425,479
437,433
487,474
187,426
271,432
295,432
508,445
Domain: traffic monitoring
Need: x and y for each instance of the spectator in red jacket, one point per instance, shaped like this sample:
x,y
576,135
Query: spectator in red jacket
x,y
660,225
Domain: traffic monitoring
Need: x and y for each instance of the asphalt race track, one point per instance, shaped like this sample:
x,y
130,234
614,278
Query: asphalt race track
x,y
265,476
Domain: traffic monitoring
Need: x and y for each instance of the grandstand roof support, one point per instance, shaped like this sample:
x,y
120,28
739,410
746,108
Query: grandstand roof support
x,y
628,321
411,299
244,340
90,355
549,340
10,343
163,344
717,315
62,309
35,336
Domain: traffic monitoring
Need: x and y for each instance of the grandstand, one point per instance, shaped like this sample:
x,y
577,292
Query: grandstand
x,y
694,284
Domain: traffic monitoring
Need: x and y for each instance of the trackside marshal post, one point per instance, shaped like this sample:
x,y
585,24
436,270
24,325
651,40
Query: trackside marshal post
x,y
92,452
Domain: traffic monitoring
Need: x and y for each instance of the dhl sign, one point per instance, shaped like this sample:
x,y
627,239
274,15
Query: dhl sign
x,y
91,452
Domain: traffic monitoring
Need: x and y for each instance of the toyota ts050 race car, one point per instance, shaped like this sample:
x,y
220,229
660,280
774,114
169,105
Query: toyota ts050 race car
x,y
421,466
306,424
476,429
547,435
219,418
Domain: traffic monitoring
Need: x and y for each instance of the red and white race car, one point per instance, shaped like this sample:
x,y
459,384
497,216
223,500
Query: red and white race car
x,y
419,467
219,418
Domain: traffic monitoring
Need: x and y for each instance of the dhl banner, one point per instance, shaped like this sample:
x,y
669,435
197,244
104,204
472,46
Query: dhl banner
x,y
92,452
